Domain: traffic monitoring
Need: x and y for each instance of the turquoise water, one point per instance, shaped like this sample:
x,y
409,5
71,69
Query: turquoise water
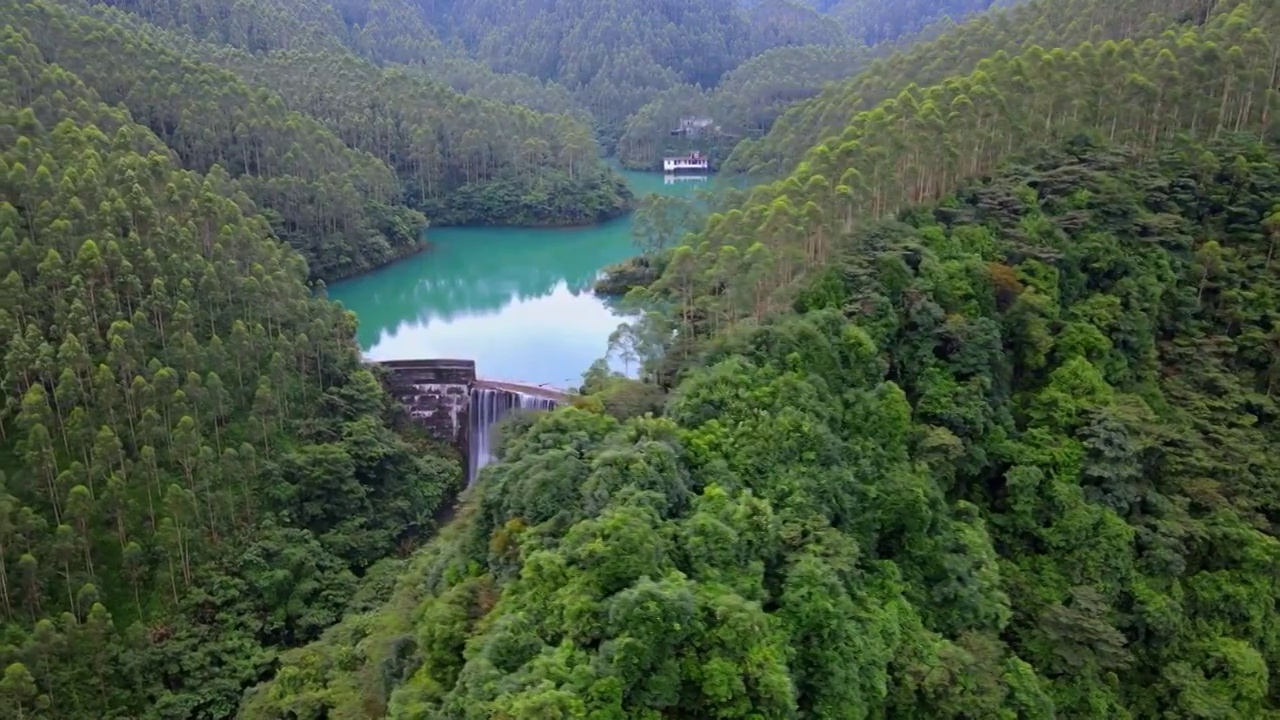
x,y
518,301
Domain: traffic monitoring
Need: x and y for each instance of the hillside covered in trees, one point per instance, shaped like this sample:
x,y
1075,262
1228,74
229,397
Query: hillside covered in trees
x,y
1197,79
969,416
1046,24
1010,459
602,62
191,451
745,104
349,160
874,22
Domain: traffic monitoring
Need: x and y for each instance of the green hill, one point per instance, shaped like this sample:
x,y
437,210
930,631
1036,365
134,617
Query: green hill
x,y
1011,460
1194,80
956,52
967,417
191,451
344,155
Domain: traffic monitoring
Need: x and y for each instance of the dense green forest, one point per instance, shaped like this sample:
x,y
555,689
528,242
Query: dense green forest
x,y
1042,23
192,451
746,101
969,416
345,157
599,61
1196,79
745,104
1010,458
616,55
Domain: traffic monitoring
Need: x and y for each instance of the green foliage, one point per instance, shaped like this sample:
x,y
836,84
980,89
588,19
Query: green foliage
x,y
1203,81
919,432
957,50
877,22
349,160
744,104
615,56
1011,459
197,467
626,68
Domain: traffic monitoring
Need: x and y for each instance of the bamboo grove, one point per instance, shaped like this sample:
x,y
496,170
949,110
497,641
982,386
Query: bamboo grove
x,y
1194,80
191,450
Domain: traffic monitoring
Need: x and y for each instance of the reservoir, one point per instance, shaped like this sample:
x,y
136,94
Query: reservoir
x,y
518,301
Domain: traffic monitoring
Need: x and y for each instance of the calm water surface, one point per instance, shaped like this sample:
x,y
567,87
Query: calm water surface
x,y
518,301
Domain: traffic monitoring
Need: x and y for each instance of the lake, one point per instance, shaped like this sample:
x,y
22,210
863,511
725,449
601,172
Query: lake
x,y
518,301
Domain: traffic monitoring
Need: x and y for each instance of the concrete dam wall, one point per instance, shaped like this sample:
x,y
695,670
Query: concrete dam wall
x,y
458,408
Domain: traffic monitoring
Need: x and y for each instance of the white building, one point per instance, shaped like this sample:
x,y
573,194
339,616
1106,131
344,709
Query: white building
x,y
693,161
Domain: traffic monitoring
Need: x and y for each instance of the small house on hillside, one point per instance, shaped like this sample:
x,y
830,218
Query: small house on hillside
x,y
692,127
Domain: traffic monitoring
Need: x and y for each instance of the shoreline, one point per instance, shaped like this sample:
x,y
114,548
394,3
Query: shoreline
x,y
620,278
426,244
600,220
416,249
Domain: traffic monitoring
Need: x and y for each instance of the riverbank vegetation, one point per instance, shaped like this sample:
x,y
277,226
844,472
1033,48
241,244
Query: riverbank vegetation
x,y
969,416
660,222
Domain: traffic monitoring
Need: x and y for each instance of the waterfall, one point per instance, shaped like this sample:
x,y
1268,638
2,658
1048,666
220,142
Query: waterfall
x,y
488,406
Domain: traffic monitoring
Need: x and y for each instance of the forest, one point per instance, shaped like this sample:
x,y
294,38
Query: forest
x,y
350,161
1007,457
192,450
353,126
605,63
1047,24
973,433
966,413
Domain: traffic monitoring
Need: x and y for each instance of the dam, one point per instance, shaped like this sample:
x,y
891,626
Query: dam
x,y
461,409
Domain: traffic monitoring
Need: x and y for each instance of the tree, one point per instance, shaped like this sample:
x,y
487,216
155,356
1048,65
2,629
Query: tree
x,y
20,692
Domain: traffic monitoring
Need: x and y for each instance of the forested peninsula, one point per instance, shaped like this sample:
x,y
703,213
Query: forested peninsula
x,y
968,412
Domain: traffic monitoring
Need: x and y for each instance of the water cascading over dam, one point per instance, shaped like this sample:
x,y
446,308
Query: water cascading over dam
x,y
488,407
458,408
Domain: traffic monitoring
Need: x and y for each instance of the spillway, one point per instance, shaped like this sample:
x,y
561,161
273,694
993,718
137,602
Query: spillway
x,y
488,407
